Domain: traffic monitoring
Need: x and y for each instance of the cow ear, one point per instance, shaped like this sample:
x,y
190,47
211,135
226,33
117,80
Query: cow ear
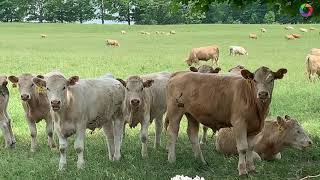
x,y
216,70
193,69
287,117
148,83
40,76
124,83
39,82
247,74
72,80
14,80
280,73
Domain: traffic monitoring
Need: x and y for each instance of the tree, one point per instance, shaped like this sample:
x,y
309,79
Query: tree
x,y
13,10
269,18
35,10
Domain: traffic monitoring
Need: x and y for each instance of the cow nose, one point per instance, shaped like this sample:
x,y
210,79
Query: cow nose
x,y
135,102
263,94
25,97
310,143
55,102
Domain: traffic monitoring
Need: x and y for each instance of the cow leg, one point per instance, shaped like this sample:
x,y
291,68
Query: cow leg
x,y
144,136
159,127
5,131
49,130
204,135
108,131
13,139
193,130
33,131
242,147
256,156
118,135
173,117
63,144
277,156
79,146
250,155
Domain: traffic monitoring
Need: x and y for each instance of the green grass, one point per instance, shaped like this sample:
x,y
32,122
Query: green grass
x,y
80,50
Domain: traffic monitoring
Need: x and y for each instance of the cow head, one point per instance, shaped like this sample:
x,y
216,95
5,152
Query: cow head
x,y
3,81
25,85
295,135
205,69
263,78
135,90
56,85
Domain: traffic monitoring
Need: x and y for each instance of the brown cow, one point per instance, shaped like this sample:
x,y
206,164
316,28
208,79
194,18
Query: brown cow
x,y
315,51
36,107
313,66
289,37
145,100
203,54
5,120
113,43
274,137
219,101
236,70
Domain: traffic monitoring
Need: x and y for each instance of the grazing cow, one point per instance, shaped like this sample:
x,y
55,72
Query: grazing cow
x,y
312,28
303,29
5,120
315,51
236,70
290,37
123,32
113,43
145,100
203,54
263,30
205,69
268,144
297,36
142,32
289,28
43,35
253,36
313,66
147,33
86,103
157,32
234,50
172,32
218,101
36,107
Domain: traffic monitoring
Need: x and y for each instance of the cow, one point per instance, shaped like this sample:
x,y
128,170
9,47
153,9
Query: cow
x,y
5,120
234,50
203,54
313,66
218,101
253,36
123,32
289,37
297,36
268,144
303,29
36,107
113,43
312,28
43,35
236,70
289,28
145,101
205,69
172,32
263,30
80,104
315,51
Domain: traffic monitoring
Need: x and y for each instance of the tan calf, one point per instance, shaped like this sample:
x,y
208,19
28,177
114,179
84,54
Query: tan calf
x,y
313,66
297,36
113,43
36,107
203,54
289,37
253,36
268,144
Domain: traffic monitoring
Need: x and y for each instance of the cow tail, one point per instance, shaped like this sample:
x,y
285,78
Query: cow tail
x,y
308,66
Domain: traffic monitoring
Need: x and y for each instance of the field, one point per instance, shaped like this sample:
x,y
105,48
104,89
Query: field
x,y
80,50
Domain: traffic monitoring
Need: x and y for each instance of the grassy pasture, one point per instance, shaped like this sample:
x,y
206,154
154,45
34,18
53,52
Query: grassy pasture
x,y
80,50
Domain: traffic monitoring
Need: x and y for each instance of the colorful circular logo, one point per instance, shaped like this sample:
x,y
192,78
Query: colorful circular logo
x,y
306,10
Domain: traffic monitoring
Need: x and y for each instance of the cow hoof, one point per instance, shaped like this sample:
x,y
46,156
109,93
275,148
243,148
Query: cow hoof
x,y
171,159
251,167
32,150
62,167
81,165
144,156
242,169
117,158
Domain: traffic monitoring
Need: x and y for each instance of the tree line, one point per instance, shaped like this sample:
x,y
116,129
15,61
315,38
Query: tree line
x,y
150,11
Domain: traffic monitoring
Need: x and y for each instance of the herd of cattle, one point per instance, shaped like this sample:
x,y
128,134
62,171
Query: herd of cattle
x,y
235,105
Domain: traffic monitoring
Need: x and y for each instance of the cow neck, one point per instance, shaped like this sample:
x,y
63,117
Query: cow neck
x,y
262,108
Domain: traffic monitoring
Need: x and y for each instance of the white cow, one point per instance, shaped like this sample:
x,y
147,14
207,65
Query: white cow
x,y
86,103
234,50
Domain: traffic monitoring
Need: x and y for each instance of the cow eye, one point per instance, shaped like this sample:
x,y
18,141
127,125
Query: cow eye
x,y
32,85
298,132
142,89
127,88
64,88
48,89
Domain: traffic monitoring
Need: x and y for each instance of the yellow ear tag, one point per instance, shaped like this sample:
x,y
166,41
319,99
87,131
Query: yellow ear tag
x,y
41,89
280,128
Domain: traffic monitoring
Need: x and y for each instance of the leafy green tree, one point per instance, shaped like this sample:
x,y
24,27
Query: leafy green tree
x,y
270,17
13,10
35,10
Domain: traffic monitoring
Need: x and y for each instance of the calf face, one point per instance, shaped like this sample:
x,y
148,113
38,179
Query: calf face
x,y
25,85
237,69
263,79
135,90
295,135
205,69
57,86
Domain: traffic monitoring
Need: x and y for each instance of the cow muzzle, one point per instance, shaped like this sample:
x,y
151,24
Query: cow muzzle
x,y
55,105
135,102
25,97
263,95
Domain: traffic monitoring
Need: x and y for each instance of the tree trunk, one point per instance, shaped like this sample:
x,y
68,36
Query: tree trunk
x,y
128,14
102,12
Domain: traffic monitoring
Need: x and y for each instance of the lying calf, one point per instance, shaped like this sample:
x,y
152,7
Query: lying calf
x,y
145,100
274,137
5,121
